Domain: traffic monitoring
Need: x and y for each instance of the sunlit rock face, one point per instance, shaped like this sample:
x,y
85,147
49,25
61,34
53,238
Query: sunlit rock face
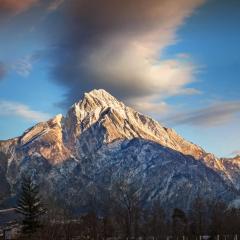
x,y
231,168
106,115
45,139
100,140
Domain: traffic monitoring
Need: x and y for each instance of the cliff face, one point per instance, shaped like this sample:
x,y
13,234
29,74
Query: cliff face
x,y
231,168
101,140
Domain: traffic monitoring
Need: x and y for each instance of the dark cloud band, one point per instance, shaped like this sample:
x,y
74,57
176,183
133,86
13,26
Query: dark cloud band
x,y
116,45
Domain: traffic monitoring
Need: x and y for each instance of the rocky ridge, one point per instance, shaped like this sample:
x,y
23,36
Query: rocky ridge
x,y
100,140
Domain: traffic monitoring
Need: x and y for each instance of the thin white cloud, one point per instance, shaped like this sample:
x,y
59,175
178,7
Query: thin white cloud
x,y
54,5
23,111
150,107
24,65
216,114
183,56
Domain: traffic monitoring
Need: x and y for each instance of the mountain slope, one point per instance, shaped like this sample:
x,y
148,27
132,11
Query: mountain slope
x,y
100,141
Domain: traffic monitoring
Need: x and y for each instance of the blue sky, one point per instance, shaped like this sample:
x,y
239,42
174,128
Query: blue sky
x,y
190,83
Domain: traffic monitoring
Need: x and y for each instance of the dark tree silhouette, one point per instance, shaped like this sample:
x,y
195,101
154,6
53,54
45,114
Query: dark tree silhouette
x,y
198,217
5,187
30,205
155,221
179,223
217,217
126,208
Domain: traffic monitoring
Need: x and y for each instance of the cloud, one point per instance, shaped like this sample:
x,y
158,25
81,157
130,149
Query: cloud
x,y
183,55
149,105
24,65
23,111
3,70
213,115
118,45
235,153
12,7
54,5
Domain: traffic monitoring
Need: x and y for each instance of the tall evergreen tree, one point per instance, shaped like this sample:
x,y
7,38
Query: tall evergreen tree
x,y
30,205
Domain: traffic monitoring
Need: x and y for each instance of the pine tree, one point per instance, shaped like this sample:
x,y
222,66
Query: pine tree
x,y
30,206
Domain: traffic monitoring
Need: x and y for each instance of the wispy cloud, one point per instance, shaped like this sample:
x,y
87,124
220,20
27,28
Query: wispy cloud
x,y
213,115
22,111
54,5
24,65
150,106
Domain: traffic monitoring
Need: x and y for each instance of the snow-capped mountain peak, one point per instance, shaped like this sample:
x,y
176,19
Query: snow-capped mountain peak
x,y
100,110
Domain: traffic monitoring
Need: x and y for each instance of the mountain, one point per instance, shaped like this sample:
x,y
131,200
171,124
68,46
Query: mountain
x,y
101,141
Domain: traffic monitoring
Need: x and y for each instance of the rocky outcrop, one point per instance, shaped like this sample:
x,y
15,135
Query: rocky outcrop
x,y
231,168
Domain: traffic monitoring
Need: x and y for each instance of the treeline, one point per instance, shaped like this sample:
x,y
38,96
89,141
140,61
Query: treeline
x,y
128,220
118,213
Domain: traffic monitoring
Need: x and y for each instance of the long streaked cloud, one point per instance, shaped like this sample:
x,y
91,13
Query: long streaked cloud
x,y
12,7
211,116
21,110
118,46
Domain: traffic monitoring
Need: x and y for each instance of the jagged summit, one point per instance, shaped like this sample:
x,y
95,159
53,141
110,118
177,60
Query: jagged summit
x,y
100,94
108,116
97,98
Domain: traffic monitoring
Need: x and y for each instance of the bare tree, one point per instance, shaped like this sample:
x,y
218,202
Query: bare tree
x,y
232,222
217,211
179,223
126,207
154,221
198,217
